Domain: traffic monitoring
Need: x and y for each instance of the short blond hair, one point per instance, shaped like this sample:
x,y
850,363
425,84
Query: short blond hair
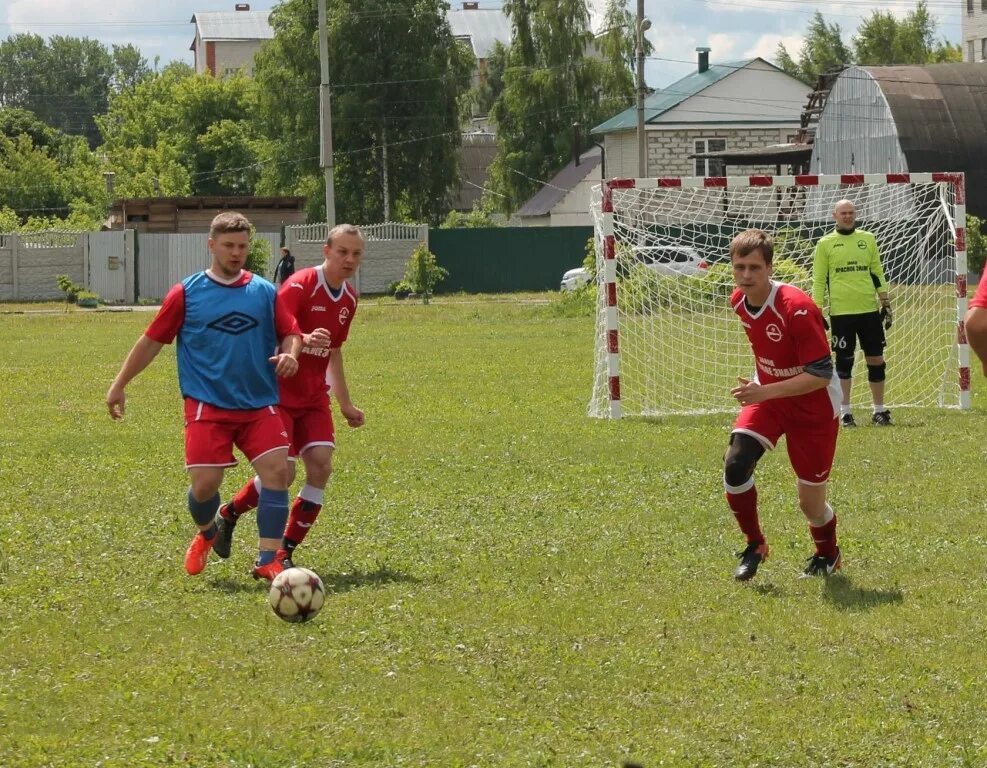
x,y
750,240
228,221
345,229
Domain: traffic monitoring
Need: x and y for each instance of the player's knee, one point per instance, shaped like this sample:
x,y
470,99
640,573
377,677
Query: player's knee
x,y
318,467
875,373
740,460
291,473
844,366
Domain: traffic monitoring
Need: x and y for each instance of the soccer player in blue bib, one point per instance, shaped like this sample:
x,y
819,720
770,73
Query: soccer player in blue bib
x,y
228,325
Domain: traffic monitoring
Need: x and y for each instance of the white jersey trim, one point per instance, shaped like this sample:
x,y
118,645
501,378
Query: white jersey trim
x,y
757,436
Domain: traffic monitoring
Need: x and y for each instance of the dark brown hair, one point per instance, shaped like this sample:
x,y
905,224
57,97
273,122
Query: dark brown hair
x,y
228,221
750,240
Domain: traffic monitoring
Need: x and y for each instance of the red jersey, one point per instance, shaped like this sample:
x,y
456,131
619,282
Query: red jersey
x,y
980,297
786,334
308,297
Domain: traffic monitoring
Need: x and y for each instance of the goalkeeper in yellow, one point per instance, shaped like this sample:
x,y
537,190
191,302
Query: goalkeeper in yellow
x,y
846,266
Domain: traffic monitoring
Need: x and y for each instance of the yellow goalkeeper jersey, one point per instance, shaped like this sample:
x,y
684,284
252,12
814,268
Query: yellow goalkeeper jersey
x,y
848,269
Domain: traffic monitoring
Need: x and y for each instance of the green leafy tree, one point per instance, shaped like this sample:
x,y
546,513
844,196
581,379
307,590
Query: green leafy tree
x,y
65,81
399,82
884,40
129,67
822,51
549,84
423,272
15,122
197,134
481,216
485,93
616,45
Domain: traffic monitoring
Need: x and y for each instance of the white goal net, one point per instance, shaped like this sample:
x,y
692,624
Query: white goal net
x,y
667,340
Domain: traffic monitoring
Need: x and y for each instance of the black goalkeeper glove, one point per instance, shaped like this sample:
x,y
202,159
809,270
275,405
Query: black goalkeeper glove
x,y
886,316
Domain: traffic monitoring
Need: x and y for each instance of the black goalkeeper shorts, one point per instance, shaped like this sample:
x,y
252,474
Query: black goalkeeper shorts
x,y
846,329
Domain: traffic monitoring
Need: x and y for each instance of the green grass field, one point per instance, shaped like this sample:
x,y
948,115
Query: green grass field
x,y
511,583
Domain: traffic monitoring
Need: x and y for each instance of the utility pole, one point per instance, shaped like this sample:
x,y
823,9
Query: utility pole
x,y
325,118
640,25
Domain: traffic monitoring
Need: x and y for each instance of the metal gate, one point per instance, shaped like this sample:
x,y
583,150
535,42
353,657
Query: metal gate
x,y
109,260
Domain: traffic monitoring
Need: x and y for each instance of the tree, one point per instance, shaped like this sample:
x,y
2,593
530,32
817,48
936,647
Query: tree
x,y
64,81
617,46
197,134
399,85
485,93
39,182
883,40
549,84
423,272
15,122
130,67
823,51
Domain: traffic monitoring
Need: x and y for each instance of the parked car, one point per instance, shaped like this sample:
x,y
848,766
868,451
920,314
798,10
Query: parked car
x,y
666,260
574,278
671,260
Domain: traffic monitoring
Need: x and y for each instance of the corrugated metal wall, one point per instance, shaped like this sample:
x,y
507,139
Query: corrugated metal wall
x,y
165,259
856,131
505,259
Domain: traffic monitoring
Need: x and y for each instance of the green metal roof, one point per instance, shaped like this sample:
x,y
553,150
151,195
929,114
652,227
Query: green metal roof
x,y
665,99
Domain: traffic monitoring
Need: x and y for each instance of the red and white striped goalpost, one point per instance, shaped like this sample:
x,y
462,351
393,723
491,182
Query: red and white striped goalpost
x,y
957,180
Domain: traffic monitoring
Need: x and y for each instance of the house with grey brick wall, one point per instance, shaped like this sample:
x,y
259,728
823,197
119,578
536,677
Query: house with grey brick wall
x,y
733,106
974,31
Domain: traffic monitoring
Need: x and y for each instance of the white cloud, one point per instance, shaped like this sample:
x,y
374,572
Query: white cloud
x,y
766,46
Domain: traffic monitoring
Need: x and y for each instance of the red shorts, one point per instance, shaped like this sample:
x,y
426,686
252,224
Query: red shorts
x,y
211,433
307,428
811,443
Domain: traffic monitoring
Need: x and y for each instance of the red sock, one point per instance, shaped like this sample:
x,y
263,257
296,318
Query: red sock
x,y
744,506
300,519
825,538
246,498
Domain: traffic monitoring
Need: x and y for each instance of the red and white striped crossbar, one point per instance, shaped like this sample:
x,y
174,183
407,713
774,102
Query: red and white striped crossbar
x,y
805,180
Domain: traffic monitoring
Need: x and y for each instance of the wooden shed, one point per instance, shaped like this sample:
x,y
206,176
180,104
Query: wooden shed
x,y
194,214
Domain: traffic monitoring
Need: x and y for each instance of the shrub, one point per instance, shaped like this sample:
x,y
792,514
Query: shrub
x,y
400,289
423,272
976,244
70,289
258,256
87,299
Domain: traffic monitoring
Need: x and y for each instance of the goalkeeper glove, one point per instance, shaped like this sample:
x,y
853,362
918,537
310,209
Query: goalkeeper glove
x,y
886,316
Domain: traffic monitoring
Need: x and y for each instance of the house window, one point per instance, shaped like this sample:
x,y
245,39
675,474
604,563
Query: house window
x,y
710,166
969,6
971,51
983,49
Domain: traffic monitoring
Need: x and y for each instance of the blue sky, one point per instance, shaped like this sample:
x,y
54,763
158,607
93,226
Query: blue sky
x,y
734,29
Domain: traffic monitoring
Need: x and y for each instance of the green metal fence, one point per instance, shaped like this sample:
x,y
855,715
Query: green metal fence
x,y
505,259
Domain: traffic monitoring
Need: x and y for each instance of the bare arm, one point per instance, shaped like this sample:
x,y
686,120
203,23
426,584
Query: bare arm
x,y
140,356
751,392
976,333
337,381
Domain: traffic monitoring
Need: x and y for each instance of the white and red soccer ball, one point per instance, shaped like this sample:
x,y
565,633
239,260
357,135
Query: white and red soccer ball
x,y
297,594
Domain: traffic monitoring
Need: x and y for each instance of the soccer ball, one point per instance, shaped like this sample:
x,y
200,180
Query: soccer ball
x,y
297,594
